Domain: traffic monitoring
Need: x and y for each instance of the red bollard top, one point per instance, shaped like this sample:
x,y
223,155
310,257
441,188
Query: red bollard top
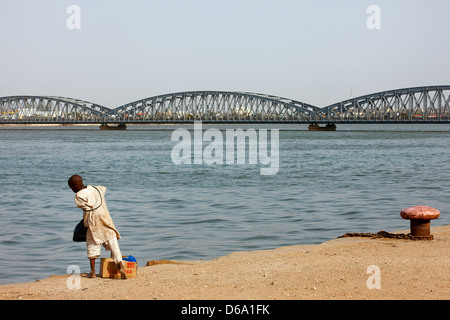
x,y
420,213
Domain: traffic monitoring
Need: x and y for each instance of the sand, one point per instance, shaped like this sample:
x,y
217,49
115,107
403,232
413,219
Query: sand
x,y
338,269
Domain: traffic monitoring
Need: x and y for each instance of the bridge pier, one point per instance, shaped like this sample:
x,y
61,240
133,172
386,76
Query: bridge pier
x,y
120,126
316,127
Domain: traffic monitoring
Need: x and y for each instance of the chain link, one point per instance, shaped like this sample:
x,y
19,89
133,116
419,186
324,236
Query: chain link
x,y
384,234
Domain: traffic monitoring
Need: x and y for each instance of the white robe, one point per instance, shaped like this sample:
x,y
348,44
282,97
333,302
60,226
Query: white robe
x,y
96,214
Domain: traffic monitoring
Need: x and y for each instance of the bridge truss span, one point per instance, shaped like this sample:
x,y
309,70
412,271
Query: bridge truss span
x,y
419,104
430,104
213,106
43,109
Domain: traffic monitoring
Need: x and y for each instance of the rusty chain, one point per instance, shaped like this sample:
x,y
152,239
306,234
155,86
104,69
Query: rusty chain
x,y
384,234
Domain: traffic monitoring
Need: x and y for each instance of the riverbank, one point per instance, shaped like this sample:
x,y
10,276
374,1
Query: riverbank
x,y
337,269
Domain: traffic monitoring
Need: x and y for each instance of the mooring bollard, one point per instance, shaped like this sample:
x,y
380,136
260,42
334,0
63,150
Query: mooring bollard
x,y
420,217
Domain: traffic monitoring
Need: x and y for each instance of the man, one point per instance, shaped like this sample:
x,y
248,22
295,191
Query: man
x,y
101,229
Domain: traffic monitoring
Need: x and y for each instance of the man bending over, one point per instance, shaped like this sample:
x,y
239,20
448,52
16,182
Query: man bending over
x,y
101,230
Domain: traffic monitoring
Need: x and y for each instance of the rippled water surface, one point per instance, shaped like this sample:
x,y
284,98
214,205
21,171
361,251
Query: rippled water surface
x,y
356,179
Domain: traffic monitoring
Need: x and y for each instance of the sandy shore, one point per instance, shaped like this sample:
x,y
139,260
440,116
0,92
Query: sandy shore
x,y
337,269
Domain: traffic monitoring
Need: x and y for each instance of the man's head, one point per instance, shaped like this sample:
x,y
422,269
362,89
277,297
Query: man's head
x,y
76,183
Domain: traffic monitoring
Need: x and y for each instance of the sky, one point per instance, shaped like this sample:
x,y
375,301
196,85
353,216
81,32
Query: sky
x,y
317,52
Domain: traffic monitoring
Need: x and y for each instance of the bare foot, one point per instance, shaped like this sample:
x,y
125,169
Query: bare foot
x,y
123,274
90,275
122,271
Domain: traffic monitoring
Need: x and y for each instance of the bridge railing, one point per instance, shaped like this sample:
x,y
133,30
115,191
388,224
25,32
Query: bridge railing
x,y
130,118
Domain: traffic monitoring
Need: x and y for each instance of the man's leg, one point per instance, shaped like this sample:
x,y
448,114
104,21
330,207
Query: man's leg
x,y
116,255
92,263
93,252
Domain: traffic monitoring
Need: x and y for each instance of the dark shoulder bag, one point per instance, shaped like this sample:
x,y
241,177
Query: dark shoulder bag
x,y
79,233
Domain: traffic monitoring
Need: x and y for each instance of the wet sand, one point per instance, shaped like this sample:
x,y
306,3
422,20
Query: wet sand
x,y
337,269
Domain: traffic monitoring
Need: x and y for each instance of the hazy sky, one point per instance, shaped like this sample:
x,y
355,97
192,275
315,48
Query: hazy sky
x,y
312,51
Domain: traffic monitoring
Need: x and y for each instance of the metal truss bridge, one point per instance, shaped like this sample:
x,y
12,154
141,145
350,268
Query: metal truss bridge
x,y
430,104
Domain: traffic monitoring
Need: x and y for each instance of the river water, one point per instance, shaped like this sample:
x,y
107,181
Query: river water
x,y
356,179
